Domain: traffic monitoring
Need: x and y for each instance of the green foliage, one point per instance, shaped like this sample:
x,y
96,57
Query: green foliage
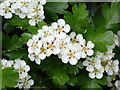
x,y
54,8
86,82
109,17
16,54
40,24
78,20
9,77
12,43
20,23
100,37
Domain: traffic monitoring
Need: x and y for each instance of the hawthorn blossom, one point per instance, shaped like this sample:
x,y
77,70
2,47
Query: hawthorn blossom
x,y
21,67
5,63
25,83
60,28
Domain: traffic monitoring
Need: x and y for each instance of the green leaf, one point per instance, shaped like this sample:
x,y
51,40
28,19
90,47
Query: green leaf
x,y
78,20
40,24
12,43
9,77
54,8
54,68
8,27
72,80
60,77
109,18
32,29
21,23
87,82
71,69
16,54
100,37
80,65
0,76
25,37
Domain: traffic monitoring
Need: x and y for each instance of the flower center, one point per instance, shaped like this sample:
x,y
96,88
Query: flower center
x,y
84,48
92,62
96,70
46,34
42,49
71,54
34,45
6,9
104,63
50,45
105,53
74,40
4,67
36,18
60,29
62,44
36,9
111,66
21,69
24,3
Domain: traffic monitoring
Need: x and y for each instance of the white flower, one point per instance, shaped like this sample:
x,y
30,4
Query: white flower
x,y
112,67
70,55
32,9
75,39
5,9
96,73
62,43
35,18
5,63
86,49
106,55
92,63
21,67
25,82
60,29
117,84
46,34
118,33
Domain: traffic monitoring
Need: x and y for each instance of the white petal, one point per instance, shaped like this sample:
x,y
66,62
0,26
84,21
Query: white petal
x,y
67,28
29,43
42,56
30,50
27,68
83,55
73,61
90,68
90,44
65,59
32,22
99,75
8,15
77,55
38,61
30,82
61,22
56,51
79,37
92,75
72,34
86,63
31,56
90,52
39,43
35,38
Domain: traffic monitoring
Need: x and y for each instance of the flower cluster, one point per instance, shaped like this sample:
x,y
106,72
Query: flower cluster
x,y
55,40
102,62
22,68
114,81
32,9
